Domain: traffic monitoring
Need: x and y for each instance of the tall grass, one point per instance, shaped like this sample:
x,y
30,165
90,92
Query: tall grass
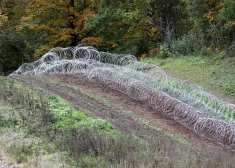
x,y
83,146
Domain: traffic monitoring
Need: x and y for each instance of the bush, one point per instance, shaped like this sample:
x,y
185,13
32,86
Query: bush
x,y
164,52
184,45
15,49
230,51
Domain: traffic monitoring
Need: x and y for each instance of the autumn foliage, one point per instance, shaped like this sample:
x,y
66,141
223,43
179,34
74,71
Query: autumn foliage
x,y
132,26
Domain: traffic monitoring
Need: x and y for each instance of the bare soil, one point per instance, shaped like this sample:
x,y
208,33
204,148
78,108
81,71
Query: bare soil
x,y
122,121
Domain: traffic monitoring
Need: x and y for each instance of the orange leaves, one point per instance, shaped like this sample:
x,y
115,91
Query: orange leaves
x,y
218,7
231,23
87,12
210,15
41,2
154,32
60,21
79,23
44,27
3,17
40,51
213,8
93,41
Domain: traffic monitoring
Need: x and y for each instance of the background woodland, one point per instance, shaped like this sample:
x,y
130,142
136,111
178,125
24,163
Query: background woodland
x,y
30,28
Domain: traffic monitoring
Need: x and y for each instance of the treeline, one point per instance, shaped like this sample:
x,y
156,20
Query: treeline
x,y
29,28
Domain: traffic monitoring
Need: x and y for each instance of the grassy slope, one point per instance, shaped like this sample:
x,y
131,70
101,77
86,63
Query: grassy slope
x,y
213,74
30,139
21,148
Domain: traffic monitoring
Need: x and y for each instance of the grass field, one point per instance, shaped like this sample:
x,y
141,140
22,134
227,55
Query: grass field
x,y
214,74
71,121
41,131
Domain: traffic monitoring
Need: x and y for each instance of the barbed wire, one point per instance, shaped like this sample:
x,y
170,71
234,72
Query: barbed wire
x,y
196,109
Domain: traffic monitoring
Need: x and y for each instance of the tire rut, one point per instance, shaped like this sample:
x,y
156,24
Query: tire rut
x,y
80,101
116,116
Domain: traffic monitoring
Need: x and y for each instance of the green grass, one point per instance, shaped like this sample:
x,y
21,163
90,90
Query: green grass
x,y
66,117
128,113
41,138
23,148
26,132
120,109
214,74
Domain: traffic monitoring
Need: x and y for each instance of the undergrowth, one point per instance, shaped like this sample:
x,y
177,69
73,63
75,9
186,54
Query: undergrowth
x,y
44,131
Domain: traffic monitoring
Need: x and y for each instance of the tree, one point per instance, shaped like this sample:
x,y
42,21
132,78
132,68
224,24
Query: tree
x,y
213,22
10,13
227,20
61,23
136,23
15,46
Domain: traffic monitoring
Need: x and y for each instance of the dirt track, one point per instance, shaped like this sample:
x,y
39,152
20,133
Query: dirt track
x,y
115,115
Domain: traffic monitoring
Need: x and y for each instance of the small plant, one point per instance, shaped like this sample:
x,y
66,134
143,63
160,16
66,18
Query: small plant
x,y
164,52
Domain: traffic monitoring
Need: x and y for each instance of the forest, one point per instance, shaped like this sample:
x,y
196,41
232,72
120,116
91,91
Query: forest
x,y
30,28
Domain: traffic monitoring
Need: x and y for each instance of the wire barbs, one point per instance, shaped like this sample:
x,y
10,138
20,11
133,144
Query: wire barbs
x,y
196,109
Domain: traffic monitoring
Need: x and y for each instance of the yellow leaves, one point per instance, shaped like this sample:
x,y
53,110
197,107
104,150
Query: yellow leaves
x,y
67,1
87,12
3,18
41,51
131,4
24,22
210,15
41,2
143,56
60,22
218,7
114,45
25,19
44,27
231,23
213,8
222,52
153,52
154,32
93,41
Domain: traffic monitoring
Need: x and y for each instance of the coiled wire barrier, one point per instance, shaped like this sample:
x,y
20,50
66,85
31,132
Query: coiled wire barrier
x,y
194,108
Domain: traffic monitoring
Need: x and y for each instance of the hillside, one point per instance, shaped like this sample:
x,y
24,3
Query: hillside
x,y
213,73
129,116
99,109
115,84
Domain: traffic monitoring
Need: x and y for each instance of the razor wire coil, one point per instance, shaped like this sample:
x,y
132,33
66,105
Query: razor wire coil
x,y
196,109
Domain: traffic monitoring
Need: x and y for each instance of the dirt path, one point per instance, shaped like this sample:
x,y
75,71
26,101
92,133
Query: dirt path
x,y
121,120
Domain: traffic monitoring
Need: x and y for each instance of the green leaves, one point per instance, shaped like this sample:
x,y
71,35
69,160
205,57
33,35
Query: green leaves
x,y
66,117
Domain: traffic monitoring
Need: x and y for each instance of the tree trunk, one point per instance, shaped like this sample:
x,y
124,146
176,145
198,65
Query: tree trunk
x,y
71,23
